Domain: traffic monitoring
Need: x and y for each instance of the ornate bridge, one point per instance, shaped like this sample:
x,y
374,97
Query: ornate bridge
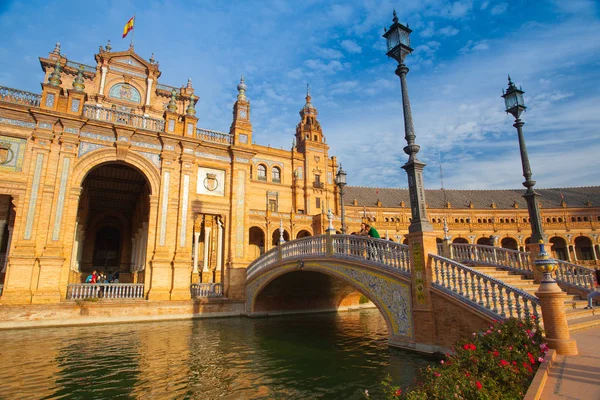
x,y
381,270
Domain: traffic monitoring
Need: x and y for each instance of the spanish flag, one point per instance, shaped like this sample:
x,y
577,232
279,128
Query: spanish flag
x,y
128,26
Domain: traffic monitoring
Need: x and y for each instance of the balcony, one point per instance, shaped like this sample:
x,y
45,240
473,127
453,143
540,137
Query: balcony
x,y
318,185
123,118
214,136
20,97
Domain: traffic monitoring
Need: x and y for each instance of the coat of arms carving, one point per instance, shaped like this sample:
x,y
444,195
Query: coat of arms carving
x,y
210,182
6,153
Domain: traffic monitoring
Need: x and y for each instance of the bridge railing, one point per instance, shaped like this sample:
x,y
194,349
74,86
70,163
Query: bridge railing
x,y
384,253
482,290
575,275
490,255
378,251
206,289
81,291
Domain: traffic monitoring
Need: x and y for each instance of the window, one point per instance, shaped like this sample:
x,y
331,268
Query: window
x,y
273,205
276,175
261,173
300,211
317,178
318,202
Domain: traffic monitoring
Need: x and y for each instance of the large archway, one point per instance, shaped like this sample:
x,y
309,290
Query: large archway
x,y
583,248
559,248
509,243
256,241
7,220
112,223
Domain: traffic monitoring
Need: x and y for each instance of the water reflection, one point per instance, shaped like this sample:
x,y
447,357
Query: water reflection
x,y
326,356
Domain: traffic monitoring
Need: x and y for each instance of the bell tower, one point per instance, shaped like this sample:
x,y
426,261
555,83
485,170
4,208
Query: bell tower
x,y
241,127
309,129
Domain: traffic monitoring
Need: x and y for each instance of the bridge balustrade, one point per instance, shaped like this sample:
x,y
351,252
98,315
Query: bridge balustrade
x,y
489,255
81,291
381,252
490,294
206,289
575,275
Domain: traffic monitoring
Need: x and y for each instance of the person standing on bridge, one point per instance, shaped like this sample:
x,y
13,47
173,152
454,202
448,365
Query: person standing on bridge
x,y
596,292
372,232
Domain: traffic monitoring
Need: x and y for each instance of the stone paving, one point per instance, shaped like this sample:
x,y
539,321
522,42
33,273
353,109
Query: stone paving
x,y
576,377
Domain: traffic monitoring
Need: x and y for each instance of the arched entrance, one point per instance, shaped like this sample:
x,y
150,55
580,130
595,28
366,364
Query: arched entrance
x,y
256,240
484,241
509,243
7,220
276,236
583,248
303,233
112,223
559,248
460,240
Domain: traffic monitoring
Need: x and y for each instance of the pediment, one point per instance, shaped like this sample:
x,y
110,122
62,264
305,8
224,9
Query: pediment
x,y
128,61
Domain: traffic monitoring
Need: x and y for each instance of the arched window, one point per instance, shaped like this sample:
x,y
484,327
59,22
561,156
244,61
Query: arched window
x,y
478,220
276,175
583,248
559,248
261,172
124,91
509,243
560,220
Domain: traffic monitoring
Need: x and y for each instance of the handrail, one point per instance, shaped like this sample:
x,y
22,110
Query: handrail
x,y
123,118
575,275
86,68
214,136
168,88
206,290
17,96
383,253
482,290
490,255
81,291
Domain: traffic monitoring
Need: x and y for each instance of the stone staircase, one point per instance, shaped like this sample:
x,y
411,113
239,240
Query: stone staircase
x,y
578,318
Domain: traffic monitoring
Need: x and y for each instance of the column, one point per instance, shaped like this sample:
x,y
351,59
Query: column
x,y
196,240
5,263
103,80
206,249
219,244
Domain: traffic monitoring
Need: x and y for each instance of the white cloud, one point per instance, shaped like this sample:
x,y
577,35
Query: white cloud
x,y
325,67
473,46
331,54
448,31
499,9
343,87
350,46
428,31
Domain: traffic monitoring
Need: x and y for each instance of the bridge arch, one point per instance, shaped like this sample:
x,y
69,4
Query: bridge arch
x,y
389,291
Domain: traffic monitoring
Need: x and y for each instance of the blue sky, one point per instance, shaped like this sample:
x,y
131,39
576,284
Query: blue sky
x,y
463,52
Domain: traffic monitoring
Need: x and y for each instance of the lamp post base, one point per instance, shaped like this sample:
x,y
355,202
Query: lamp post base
x,y
552,301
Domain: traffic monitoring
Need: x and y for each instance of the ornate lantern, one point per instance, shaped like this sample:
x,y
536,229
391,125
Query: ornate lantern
x,y
545,264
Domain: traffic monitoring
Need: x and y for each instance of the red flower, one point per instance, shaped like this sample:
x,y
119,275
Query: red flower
x,y
504,363
531,359
496,353
398,393
467,374
479,385
469,346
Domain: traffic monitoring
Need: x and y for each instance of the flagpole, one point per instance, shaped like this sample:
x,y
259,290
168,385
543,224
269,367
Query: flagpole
x,y
132,31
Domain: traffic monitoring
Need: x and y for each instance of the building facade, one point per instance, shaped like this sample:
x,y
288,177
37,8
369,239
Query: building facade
x,y
109,170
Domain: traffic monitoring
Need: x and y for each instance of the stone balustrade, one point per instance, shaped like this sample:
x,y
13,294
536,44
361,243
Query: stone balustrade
x,y
123,118
483,291
206,290
20,97
81,291
489,255
575,275
382,253
214,136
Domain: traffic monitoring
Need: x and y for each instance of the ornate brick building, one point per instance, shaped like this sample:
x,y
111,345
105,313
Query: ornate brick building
x,y
108,169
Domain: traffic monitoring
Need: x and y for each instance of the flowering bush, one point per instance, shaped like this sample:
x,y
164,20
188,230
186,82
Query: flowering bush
x,y
496,363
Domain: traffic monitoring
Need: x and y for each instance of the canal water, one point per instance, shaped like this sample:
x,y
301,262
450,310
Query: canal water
x,y
319,356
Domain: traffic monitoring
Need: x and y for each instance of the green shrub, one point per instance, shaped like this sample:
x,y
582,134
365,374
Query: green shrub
x,y
498,362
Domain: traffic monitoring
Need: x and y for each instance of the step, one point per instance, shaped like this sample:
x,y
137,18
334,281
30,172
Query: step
x,y
584,323
578,313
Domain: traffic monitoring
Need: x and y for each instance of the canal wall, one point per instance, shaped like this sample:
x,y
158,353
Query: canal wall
x,y
106,312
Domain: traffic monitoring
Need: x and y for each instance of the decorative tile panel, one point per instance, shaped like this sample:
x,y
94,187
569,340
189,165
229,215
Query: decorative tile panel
x,y
71,130
50,100
190,129
210,182
75,105
240,205
147,145
124,71
61,198
126,92
169,147
12,153
188,151
16,122
164,207
243,138
35,188
86,147
242,160
45,125
97,136
184,211
213,156
153,157
171,125
270,163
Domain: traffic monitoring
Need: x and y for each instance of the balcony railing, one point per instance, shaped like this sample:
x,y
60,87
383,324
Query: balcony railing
x,y
214,136
206,290
318,184
86,68
575,275
489,255
82,291
123,118
20,97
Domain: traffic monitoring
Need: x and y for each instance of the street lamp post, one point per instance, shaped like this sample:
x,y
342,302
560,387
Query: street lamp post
x,y
398,45
340,181
515,105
